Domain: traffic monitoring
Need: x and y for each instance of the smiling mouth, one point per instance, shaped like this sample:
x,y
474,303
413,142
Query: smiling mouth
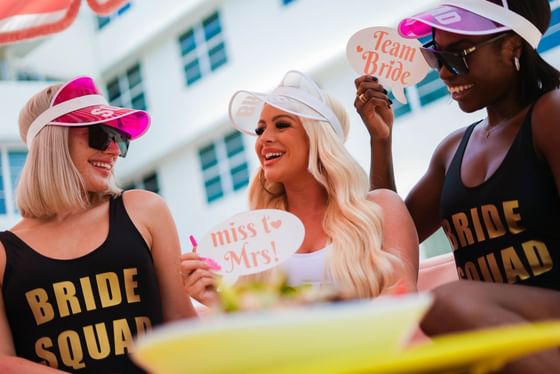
x,y
102,165
459,89
272,155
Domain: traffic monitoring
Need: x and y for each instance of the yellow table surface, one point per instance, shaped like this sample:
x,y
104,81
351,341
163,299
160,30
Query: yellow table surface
x,y
357,337
474,352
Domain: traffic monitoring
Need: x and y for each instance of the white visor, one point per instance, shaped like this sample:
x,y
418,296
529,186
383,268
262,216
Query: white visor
x,y
297,94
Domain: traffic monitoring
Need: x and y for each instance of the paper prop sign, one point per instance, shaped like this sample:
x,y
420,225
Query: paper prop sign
x,y
252,242
395,61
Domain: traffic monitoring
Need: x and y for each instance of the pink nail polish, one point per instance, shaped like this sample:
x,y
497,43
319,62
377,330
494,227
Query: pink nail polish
x,y
213,265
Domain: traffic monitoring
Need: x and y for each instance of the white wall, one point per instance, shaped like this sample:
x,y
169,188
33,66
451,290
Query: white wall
x,y
14,95
263,40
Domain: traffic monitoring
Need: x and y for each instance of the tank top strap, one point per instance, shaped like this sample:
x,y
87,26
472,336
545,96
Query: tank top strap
x,y
9,241
18,254
116,206
526,130
118,216
455,166
120,221
5,237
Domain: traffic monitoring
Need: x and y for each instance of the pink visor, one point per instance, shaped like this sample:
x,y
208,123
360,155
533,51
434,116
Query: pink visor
x,y
475,17
448,18
78,103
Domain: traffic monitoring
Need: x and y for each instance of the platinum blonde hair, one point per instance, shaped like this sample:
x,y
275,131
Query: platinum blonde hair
x,y
49,183
358,264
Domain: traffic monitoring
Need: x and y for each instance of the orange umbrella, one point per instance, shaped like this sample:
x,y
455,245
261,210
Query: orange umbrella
x,y
27,19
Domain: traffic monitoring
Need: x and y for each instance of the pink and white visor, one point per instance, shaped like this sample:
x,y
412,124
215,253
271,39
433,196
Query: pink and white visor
x,y
470,17
79,103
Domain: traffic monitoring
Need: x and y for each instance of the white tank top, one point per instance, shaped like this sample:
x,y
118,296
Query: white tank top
x,y
307,268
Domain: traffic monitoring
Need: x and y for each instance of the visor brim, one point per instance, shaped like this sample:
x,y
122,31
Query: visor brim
x,y
245,108
131,121
448,18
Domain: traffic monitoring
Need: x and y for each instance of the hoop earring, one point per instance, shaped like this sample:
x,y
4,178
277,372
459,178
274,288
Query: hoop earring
x,y
516,63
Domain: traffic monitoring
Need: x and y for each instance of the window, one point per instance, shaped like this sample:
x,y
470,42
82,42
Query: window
x,y
435,245
224,166
551,38
149,183
431,88
104,21
126,89
11,164
4,69
22,75
399,108
203,49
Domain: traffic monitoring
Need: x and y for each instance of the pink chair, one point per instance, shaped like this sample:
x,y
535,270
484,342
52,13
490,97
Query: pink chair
x,y
435,271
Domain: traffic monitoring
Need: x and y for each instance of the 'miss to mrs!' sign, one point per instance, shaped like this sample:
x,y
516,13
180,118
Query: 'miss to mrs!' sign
x,y
253,241
380,51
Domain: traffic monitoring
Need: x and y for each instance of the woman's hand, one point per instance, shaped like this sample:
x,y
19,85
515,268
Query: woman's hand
x,y
198,281
374,107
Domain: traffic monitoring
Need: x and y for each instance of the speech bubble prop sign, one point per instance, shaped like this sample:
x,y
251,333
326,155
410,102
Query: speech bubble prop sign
x,y
253,241
380,51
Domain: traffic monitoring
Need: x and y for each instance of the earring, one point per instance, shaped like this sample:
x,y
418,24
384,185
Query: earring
x,y
516,63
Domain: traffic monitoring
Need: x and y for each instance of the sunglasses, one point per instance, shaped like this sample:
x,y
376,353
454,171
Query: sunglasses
x,y
100,137
455,62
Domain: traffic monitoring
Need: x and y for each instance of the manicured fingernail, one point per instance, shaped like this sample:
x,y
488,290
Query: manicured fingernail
x,y
212,265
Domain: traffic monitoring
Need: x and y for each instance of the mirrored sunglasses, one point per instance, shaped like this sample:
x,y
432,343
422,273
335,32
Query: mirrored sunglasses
x,y
100,137
455,62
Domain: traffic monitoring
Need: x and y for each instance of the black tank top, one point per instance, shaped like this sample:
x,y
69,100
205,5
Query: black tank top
x,y
506,230
80,315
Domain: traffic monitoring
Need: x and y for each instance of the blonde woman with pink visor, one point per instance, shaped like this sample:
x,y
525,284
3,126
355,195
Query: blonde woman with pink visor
x,y
360,243
492,186
88,267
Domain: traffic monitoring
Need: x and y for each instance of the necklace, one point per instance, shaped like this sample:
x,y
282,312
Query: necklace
x,y
488,129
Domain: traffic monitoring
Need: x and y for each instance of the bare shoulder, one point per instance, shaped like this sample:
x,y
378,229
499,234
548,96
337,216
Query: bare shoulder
x,y
445,150
546,111
394,210
149,213
385,198
548,102
143,200
454,137
544,123
392,205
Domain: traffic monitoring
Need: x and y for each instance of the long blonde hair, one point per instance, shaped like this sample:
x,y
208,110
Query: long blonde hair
x,y
357,262
49,183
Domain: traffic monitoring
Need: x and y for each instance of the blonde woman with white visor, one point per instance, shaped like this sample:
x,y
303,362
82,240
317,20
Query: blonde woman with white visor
x,y
361,243
88,266
492,186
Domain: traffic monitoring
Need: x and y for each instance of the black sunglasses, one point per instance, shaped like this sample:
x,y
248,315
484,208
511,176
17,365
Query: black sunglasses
x,y
100,136
455,62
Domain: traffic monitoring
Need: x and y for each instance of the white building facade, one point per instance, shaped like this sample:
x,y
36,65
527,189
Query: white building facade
x,y
182,59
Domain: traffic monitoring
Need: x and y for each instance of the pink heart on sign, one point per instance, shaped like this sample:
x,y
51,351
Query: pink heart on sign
x,y
359,49
276,224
